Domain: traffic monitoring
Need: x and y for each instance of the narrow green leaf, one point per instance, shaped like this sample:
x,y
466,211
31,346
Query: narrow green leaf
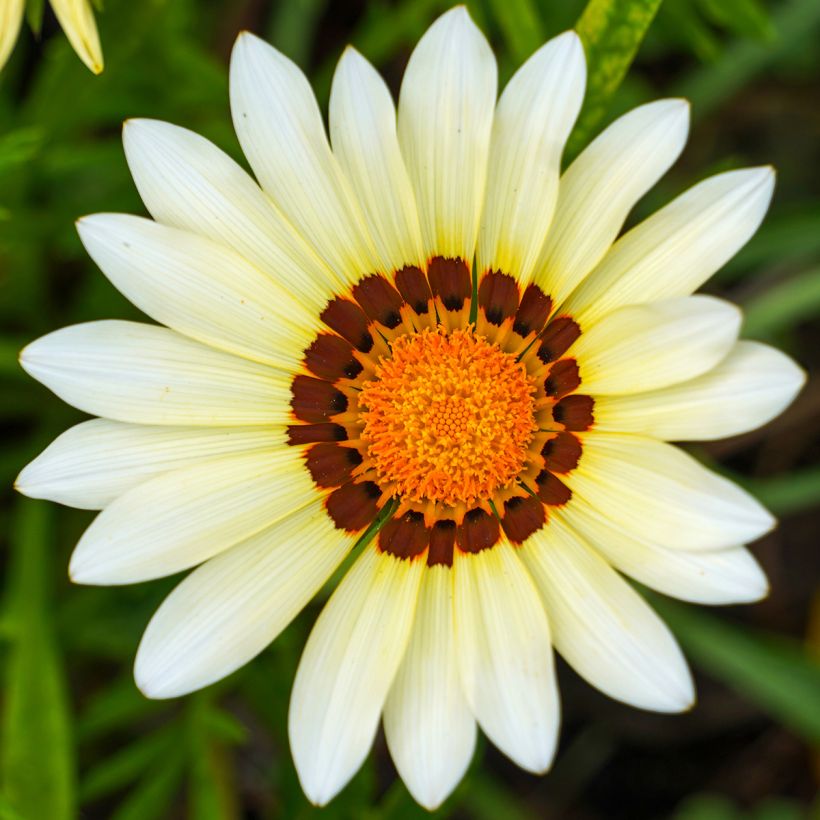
x,y
789,493
783,306
34,15
521,26
153,798
774,672
293,27
611,31
37,762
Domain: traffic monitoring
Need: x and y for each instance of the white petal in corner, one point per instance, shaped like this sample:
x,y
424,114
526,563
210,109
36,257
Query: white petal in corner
x,y
673,252
363,133
11,18
533,119
644,347
184,517
505,655
92,463
151,375
76,19
200,288
725,576
656,491
602,627
445,119
346,670
229,609
187,182
280,128
430,730
751,386
600,187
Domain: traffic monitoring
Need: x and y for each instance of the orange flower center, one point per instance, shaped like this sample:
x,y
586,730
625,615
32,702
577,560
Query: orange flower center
x,y
449,417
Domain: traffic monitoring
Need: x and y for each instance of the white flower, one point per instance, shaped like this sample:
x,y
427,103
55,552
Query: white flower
x,y
325,371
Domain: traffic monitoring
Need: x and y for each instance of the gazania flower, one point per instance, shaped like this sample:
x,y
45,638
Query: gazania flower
x,y
423,344
76,18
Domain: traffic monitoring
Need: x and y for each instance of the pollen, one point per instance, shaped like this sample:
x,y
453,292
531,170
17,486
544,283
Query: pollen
x,y
448,418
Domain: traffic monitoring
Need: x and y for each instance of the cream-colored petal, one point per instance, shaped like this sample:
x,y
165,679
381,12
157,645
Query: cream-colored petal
x,y
752,385
280,127
602,627
76,18
645,347
11,18
151,375
92,463
534,117
229,609
445,119
364,138
598,190
725,576
200,288
505,655
673,252
658,492
346,670
180,519
430,730
187,182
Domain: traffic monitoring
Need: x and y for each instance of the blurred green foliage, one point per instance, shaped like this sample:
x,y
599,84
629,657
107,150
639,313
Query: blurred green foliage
x,y
78,739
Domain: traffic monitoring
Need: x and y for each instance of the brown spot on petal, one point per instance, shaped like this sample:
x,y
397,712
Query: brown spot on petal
x,y
405,536
379,300
563,378
331,357
522,517
450,281
561,454
414,288
353,506
533,311
331,465
575,412
315,400
498,296
551,490
350,322
479,531
557,339
311,433
442,541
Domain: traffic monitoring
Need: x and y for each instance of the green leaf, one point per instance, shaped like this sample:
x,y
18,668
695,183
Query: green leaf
x,y
34,15
773,672
521,26
153,798
783,306
611,31
37,763
789,493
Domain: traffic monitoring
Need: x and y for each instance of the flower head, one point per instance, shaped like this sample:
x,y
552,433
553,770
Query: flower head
x,y
423,341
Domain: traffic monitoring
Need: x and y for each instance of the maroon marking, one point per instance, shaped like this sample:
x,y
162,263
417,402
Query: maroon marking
x,y
331,465
315,400
331,357
353,506
498,295
349,321
311,433
551,490
405,537
575,412
442,540
561,453
563,378
450,281
522,517
478,531
379,300
533,311
557,338
414,289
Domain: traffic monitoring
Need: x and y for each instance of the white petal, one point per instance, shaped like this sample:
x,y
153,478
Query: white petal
x,y
602,627
660,493
600,187
184,517
76,19
200,288
533,119
725,576
346,669
751,386
280,127
187,182
445,119
92,463
677,249
363,133
505,656
229,609
644,347
151,375
430,730
11,18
